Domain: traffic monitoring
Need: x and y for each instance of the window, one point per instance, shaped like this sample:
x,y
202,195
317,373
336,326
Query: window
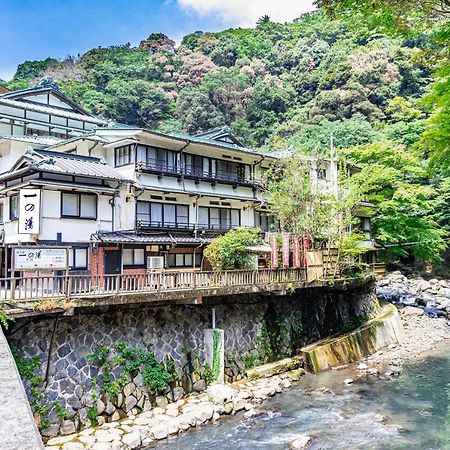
x,y
78,258
79,206
1,213
183,259
365,224
157,158
124,155
218,218
165,215
133,257
203,166
14,207
266,221
322,174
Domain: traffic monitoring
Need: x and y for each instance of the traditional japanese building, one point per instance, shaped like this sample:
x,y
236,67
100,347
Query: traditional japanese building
x,y
122,199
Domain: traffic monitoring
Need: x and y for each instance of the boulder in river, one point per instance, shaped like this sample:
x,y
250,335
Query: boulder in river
x,y
300,443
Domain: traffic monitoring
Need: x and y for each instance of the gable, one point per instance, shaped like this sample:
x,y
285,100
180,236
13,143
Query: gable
x,y
46,95
223,134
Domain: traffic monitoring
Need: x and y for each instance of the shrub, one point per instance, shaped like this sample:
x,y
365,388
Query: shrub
x,y
230,252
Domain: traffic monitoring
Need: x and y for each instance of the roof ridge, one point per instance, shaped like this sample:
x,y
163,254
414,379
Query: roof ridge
x,y
69,155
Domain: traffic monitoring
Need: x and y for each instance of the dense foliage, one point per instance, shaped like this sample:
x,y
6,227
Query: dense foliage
x,y
229,252
374,74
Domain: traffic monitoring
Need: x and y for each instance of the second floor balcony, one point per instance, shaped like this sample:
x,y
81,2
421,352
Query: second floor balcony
x,y
157,225
238,177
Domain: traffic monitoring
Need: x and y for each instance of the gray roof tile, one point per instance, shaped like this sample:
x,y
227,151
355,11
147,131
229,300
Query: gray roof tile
x,y
70,164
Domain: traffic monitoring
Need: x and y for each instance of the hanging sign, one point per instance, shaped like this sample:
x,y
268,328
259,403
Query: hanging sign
x,y
305,249
274,254
29,211
285,249
296,252
40,258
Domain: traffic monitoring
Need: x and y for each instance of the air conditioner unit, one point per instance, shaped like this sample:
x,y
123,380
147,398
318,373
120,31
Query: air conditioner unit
x,y
155,262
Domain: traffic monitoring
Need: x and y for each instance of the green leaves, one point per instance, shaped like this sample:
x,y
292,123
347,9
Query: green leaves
x,y
395,182
229,252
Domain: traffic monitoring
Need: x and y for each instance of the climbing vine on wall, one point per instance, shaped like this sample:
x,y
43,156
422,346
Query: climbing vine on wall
x,y
128,361
29,371
216,355
280,335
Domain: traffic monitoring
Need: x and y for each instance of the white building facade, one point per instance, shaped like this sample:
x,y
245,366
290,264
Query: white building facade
x,y
121,199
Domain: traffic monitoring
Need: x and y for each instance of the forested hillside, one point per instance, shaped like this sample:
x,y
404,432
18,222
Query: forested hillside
x,y
288,85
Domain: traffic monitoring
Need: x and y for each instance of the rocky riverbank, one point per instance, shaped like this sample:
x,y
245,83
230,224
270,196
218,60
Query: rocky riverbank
x,y
432,296
193,411
424,308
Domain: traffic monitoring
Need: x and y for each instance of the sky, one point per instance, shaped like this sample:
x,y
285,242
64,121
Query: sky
x,y
34,30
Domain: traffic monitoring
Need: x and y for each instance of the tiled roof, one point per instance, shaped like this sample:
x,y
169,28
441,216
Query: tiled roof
x,y
71,164
45,109
131,237
45,86
35,140
217,134
207,141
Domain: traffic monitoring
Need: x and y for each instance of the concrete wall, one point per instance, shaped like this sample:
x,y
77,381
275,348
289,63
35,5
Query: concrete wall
x,y
177,331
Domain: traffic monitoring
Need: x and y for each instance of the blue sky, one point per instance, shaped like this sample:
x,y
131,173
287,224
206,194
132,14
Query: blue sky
x,y
32,29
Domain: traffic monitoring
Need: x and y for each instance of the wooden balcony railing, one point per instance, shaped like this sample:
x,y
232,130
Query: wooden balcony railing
x,y
195,173
73,286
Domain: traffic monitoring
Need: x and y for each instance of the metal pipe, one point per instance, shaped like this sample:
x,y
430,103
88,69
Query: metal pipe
x,y
214,318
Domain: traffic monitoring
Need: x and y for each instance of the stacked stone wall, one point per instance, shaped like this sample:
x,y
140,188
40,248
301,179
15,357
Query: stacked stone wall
x,y
257,328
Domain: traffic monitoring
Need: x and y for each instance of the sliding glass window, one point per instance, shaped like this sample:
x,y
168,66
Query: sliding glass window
x,y
218,218
162,215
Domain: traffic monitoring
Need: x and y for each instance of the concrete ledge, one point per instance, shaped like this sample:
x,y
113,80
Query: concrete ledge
x,y
275,368
18,429
350,347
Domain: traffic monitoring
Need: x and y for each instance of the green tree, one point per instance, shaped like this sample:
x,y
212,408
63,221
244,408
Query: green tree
x,y
229,252
395,182
136,102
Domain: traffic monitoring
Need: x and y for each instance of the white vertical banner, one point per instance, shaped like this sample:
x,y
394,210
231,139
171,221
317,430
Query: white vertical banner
x,y
29,211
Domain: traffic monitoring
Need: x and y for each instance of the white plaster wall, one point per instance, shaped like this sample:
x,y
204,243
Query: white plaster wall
x,y
73,230
202,188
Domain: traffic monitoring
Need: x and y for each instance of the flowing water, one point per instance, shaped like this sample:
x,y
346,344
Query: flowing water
x,y
415,407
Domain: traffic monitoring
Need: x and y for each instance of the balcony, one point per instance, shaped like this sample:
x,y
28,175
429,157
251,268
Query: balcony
x,y
219,227
194,173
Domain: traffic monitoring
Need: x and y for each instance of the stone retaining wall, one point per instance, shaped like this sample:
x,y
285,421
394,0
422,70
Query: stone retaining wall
x,y
257,329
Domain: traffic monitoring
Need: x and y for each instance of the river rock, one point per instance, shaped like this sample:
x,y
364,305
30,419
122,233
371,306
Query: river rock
x,y
160,431
203,412
348,381
412,311
132,440
300,443
362,366
220,393
73,446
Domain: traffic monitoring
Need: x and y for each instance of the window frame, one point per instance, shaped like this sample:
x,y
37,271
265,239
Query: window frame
x,y
198,257
14,217
133,265
131,155
231,226
73,252
78,216
162,223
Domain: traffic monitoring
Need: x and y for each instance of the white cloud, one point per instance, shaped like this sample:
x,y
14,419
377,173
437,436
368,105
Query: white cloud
x,y
245,13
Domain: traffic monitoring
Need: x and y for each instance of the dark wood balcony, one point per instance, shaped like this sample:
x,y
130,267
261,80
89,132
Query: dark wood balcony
x,y
219,227
194,173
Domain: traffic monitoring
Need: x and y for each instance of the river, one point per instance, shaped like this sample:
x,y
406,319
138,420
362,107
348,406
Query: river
x,y
410,412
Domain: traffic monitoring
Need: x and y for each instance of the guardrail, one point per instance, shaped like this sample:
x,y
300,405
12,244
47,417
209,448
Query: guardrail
x,y
72,286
